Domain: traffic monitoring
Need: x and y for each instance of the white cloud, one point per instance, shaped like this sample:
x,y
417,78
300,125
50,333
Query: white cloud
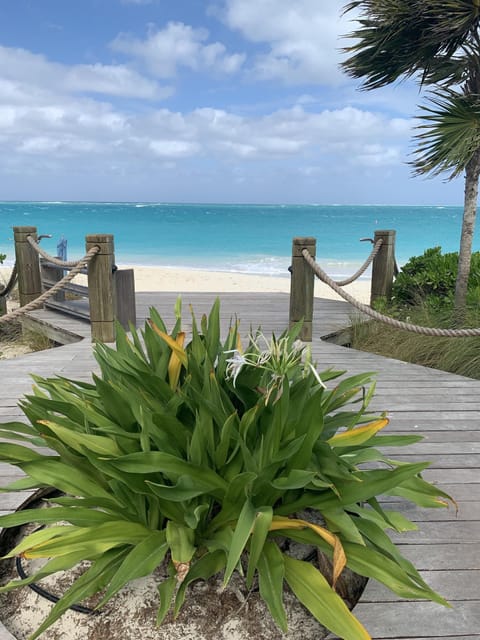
x,y
20,68
178,45
113,80
301,37
297,133
51,124
49,120
377,155
173,148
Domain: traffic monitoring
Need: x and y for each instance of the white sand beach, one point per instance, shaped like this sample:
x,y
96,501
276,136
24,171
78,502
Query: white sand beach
x,y
172,279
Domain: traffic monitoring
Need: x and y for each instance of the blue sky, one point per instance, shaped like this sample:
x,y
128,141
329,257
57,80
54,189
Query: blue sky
x,y
190,101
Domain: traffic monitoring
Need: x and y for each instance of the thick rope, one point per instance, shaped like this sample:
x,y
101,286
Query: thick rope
x,y
56,261
364,267
38,302
7,289
406,326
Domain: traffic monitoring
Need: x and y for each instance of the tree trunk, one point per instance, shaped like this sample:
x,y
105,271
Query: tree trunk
x,y
468,226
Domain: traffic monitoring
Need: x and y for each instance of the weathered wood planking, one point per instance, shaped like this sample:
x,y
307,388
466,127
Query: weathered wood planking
x,y
442,407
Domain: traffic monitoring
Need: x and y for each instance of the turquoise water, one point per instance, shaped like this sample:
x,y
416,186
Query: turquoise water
x,y
243,238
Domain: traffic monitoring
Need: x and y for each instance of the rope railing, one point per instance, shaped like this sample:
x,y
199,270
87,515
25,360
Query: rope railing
x,y
398,324
67,264
366,264
38,302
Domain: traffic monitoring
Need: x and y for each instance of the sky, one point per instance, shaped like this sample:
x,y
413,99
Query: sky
x,y
231,101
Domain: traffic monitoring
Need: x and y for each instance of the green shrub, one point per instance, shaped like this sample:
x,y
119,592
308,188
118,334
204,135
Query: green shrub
x,y
205,455
431,277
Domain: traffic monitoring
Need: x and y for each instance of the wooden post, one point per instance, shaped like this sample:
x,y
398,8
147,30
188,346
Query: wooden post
x,y
101,290
28,265
51,274
302,286
383,267
125,310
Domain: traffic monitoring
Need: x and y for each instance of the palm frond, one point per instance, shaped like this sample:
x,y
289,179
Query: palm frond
x,y
400,38
453,21
385,41
449,133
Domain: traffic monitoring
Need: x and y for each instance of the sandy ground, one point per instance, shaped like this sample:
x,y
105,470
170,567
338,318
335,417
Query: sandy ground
x,y
169,279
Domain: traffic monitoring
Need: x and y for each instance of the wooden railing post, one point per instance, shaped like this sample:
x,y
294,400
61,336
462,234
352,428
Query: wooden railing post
x,y
302,286
125,310
101,290
28,265
383,267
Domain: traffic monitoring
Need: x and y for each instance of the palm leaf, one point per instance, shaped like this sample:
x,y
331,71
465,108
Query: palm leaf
x,y
448,133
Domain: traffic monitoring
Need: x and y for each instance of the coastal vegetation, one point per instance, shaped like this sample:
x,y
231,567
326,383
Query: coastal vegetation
x,y
210,457
423,294
437,43
14,339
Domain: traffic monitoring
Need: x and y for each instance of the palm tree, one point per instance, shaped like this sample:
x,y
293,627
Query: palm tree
x,y
438,43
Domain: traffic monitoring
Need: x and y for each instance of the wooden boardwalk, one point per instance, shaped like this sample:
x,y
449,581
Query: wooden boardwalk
x,y
442,407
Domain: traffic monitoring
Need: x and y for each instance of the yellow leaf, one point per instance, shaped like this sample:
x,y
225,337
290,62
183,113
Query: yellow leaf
x,y
354,437
339,558
175,345
175,363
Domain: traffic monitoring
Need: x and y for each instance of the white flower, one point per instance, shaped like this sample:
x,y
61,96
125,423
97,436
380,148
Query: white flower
x,y
235,364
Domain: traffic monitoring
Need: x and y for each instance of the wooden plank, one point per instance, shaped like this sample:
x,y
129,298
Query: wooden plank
x,y
454,476
455,586
445,461
465,492
442,556
76,308
427,620
55,333
70,287
441,533
441,406
11,501
466,511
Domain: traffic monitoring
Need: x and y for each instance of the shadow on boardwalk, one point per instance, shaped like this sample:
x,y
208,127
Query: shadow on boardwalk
x,y
442,407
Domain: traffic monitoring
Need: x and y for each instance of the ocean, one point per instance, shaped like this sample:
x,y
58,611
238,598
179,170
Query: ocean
x,y
243,238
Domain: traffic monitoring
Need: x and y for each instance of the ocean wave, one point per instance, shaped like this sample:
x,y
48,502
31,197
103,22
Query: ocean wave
x,y
271,266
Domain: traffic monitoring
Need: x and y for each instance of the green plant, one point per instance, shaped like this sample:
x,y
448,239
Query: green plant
x,y
457,355
430,278
205,455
